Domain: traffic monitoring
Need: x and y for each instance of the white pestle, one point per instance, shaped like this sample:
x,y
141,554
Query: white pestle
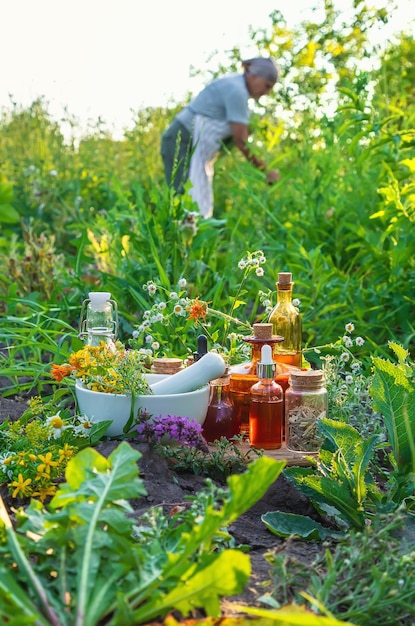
x,y
207,368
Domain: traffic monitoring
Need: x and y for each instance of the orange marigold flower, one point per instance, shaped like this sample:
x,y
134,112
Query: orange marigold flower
x,y
59,372
197,310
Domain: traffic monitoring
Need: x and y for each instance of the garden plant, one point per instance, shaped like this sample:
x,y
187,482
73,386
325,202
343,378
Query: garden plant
x,y
87,212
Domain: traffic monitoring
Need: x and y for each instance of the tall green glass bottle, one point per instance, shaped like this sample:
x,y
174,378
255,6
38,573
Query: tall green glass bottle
x,y
286,321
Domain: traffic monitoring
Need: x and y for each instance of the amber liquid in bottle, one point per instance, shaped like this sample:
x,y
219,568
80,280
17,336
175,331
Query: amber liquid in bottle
x,y
243,376
221,418
265,423
266,405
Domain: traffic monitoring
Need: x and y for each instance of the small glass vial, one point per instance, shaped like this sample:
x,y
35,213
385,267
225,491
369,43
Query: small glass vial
x,y
266,405
305,404
221,418
101,319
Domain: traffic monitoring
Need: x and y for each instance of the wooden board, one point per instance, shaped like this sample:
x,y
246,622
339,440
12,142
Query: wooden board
x,y
283,454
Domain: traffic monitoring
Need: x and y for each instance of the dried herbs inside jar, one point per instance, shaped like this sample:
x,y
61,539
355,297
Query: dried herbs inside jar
x,y
305,404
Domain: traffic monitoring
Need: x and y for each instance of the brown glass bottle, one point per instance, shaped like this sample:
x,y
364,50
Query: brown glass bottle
x,y
221,418
266,405
244,375
286,321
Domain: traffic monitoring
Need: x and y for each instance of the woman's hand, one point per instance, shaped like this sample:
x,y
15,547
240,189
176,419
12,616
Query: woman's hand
x,y
273,176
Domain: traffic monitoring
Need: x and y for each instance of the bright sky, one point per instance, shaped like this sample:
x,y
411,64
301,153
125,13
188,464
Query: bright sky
x,y
108,58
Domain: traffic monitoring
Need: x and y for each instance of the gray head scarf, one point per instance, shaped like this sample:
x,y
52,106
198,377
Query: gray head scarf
x,y
260,66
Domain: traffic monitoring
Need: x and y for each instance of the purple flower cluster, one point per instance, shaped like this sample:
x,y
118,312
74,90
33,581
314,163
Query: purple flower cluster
x,y
181,430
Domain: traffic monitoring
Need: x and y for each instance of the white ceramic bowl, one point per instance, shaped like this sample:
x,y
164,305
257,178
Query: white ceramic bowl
x,y
99,406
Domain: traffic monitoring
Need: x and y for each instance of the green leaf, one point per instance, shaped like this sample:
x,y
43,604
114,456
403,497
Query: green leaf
x,y
399,350
300,526
291,615
394,397
249,487
8,214
352,457
225,575
6,193
324,490
77,472
21,608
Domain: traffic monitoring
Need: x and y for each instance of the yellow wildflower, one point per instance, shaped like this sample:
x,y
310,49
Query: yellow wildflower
x,y
66,452
43,492
47,463
21,486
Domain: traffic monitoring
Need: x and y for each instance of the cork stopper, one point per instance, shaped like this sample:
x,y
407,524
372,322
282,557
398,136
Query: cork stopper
x,y
307,379
263,331
285,278
167,365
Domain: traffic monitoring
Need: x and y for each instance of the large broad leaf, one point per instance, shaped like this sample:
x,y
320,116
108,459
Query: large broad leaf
x,y
394,397
323,490
8,214
352,455
226,575
248,488
113,478
300,526
244,490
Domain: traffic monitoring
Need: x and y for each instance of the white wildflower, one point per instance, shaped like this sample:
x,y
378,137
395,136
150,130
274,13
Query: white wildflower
x,y
359,341
161,306
348,341
242,264
136,334
148,339
53,173
178,309
182,283
296,302
151,288
349,327
259,271
173,295
349,379
85,426
157,318
266,302
155,345
345,356
56,425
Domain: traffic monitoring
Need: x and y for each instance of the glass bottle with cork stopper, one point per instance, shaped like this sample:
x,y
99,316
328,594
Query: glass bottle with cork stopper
x,y
286,321
266,405
221,419
305,404
244,375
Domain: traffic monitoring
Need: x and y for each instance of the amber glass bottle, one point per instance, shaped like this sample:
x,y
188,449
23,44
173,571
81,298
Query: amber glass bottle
x,y
266,405
286,321
221,419
244,375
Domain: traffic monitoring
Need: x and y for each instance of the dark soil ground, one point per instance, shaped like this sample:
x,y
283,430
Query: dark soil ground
x,y
169,489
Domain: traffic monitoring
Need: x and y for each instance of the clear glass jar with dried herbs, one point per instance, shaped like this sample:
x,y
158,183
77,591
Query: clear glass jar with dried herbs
x,y
305,404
